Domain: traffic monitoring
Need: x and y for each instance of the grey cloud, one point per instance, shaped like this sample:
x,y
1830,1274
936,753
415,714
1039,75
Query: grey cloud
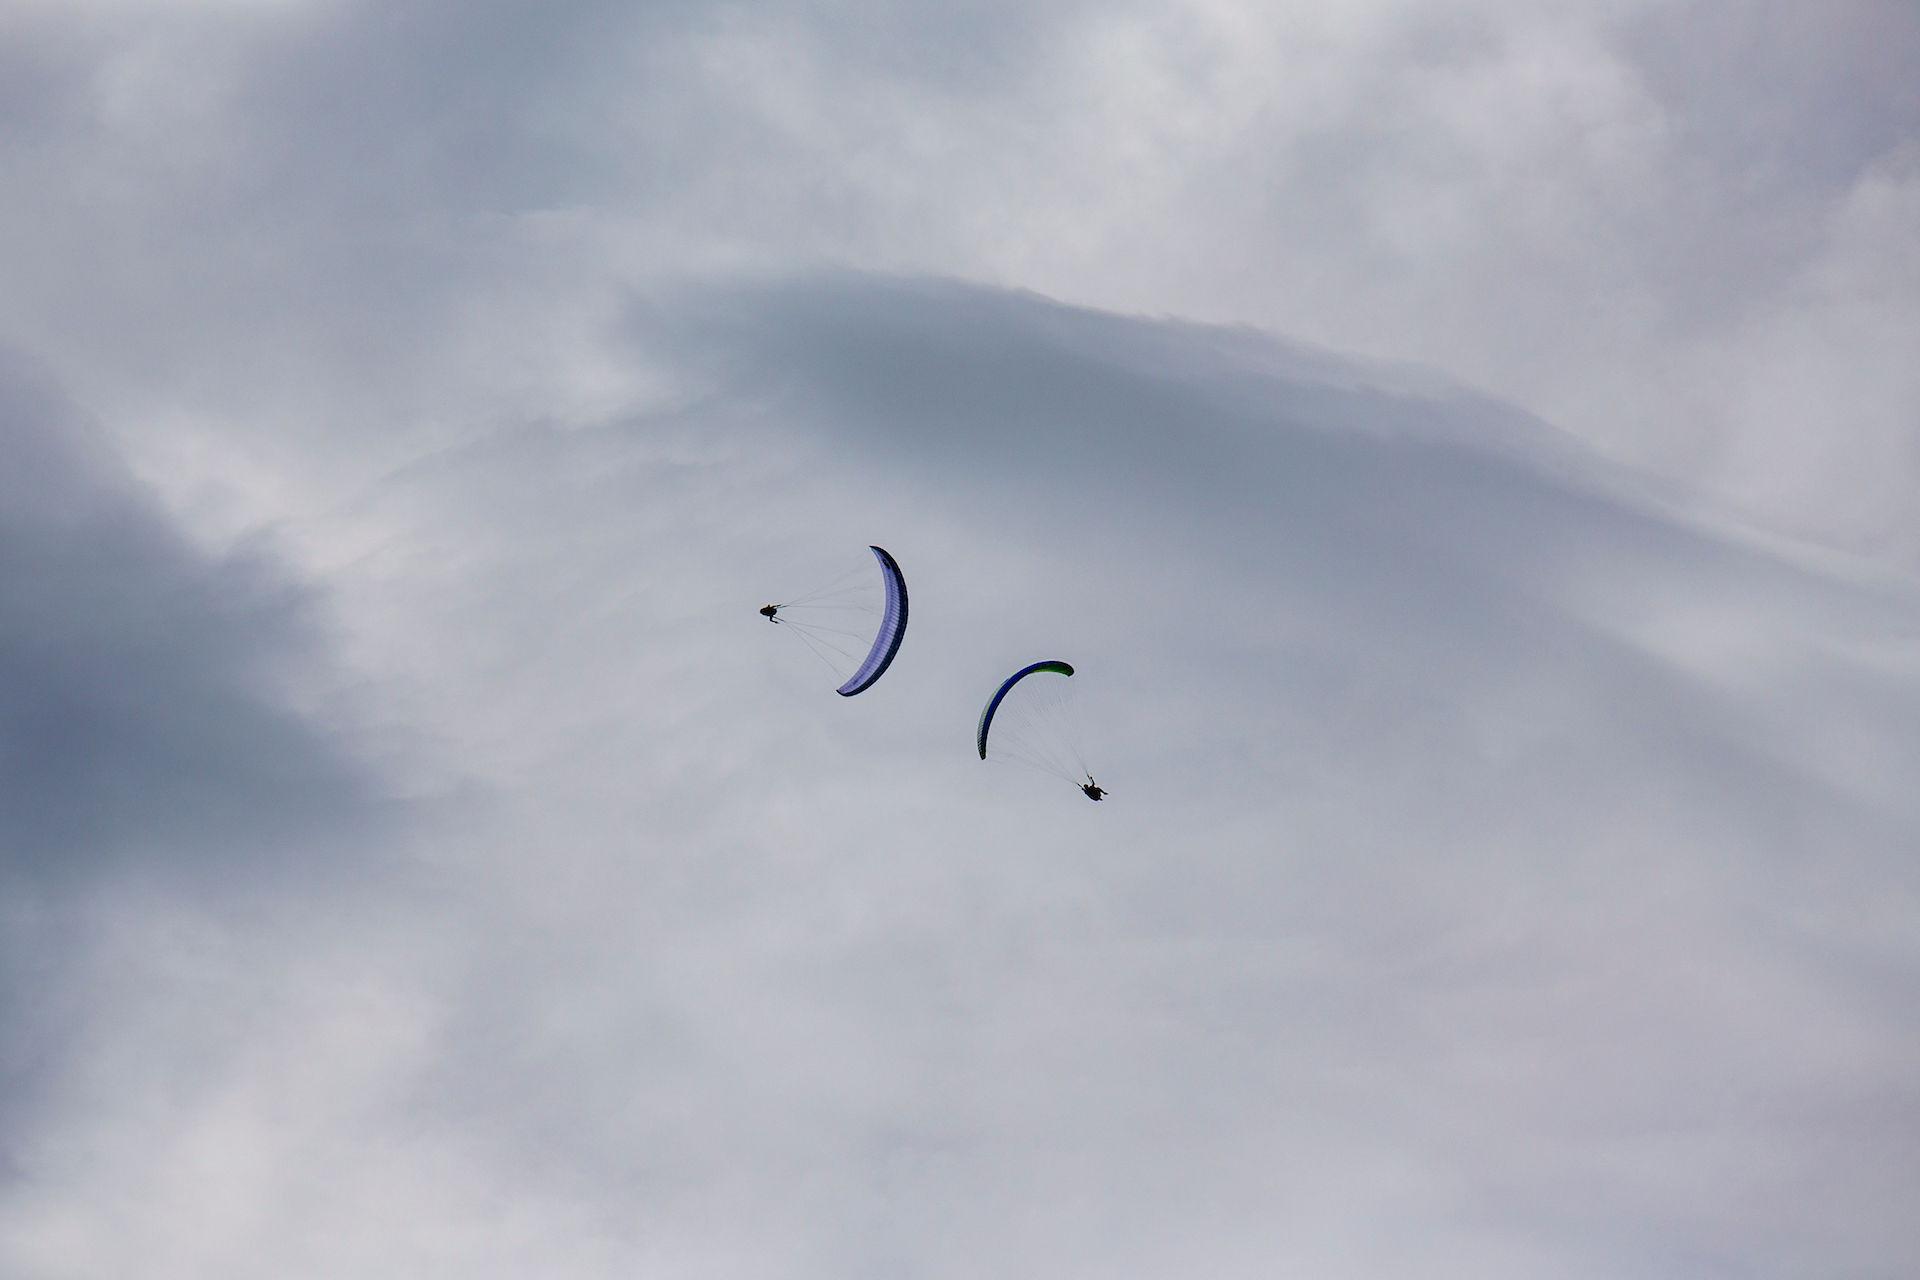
x,y
1482,897
1509,871
138,677
1476,897
146,738
433,105
1839,89
1605,212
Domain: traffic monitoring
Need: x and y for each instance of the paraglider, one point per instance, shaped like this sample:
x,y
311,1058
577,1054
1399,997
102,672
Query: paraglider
x,y
1031,721
826,619
855,625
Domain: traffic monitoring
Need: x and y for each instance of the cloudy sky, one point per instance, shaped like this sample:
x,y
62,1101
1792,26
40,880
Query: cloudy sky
x,y
1470,452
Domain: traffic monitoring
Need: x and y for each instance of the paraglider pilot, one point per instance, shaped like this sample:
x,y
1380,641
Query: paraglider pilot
x,y
1094,791
768,610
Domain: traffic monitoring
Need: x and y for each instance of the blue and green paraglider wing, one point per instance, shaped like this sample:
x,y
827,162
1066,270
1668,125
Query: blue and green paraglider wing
x,y
999,695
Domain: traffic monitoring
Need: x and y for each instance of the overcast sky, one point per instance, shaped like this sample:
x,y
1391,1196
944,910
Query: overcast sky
x,y
1469,453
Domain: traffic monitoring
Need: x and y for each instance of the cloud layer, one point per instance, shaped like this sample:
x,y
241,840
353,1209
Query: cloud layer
x,y
1676,231
1508,874
419,858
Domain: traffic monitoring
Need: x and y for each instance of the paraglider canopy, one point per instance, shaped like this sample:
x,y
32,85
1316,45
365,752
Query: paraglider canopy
x,y
1030,720
850,616
893,628
1000,694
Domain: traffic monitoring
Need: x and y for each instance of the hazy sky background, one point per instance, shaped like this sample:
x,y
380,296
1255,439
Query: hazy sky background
x,y
1469,452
